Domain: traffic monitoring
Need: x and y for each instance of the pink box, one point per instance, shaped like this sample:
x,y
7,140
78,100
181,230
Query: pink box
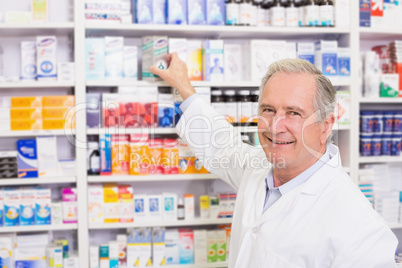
x,y
70,210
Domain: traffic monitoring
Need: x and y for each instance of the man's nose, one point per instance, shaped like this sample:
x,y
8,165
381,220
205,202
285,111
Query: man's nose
x,y
278,124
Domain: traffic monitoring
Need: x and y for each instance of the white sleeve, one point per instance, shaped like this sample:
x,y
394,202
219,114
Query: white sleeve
x,y
217,144
372,246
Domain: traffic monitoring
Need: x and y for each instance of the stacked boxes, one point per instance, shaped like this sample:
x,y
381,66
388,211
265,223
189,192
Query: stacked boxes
x,y
8,164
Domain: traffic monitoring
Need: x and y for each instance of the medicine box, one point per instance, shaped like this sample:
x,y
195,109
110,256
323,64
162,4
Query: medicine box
x,y
196,12
58,112
120,154
159,11
27,206
126,203
215,12
114,57
110,110
47,156
179,46
158,247
177,11
46,57
325,57
43,206
26,102
165,107
8,164
200,246
70,208
93,102
212,246
148,106
186,246
343,61
95,58
139,250
26,124
12,199
130,63
25,113
28,60
154,53
27,159
365,13
232,62
58,101
389,86
111,203
305,51
258,59
213,60
1,208
172,249
95,203
144,11
65,71
52,123
57,213
39,10
155,207
169,206
194,59
141,207
105,154
221,245
342,111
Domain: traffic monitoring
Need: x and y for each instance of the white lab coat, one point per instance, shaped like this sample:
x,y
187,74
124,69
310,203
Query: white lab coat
x,y
324,222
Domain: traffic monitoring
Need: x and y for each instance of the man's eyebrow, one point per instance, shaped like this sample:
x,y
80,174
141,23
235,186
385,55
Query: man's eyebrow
x,y
295,108
265,106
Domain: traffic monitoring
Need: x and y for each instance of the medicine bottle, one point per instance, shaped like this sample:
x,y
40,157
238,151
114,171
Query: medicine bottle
x,y
260,14
326,13
254,105
93,158
312,13
230,106
218,102
278,14
300,4
232,12
180,209
292,14
245,12
266,6
244,107
253,13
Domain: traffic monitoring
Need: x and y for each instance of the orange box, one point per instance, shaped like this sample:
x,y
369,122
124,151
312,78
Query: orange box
x,y
58,112
26,102
58,101
61,123
120,154
170,158
198,167
156,153
25,113
186,159
111,203
140,158
26,124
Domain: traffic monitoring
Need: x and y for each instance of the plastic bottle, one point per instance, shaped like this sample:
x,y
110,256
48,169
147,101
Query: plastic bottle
x,y
217,101
244,107
232,12
93,158
292,14
253,12
326,13
245,12
278,14
230,106
266,6
254,104
261,22
180,209
312,13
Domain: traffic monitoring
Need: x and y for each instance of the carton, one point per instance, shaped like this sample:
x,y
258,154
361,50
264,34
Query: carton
x,y
111,203
43,206
26,102
12,202
154,53
70,209
212,246
105,154
155,207
326,58
28,61
129,108
139,154
65,71
57,213
1,207
39,10
221,245
58,112
113,254
27,207
186,246
148,108
114,57
47,156
26,124
200,246
95,58
155,154
232,62
177,12
172,249
169,206
93,110
25,113
141,207
27,159
139,251
144,12
215,10
213,60
158,247
186,159
159,11
126,203
95,203
343,61
194,59
196,12
179,46
130,63
122,247
389,86
46,47
61,123
305,51
170,159
110,110
104,256
120,154
165,107
58,101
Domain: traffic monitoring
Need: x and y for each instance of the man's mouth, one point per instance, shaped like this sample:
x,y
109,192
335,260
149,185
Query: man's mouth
x,y
280,142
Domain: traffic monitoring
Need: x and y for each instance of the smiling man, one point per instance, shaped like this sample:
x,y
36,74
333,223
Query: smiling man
x,y
302,209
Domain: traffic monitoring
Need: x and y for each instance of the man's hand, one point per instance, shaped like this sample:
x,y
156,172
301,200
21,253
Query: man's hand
x,y
176,75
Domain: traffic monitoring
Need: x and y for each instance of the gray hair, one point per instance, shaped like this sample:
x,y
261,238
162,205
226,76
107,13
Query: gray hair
x,y
324,100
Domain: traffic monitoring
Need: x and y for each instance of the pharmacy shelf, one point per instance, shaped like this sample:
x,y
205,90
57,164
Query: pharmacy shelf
x,y
204,265
33,29
207,31
341,126
37,84
395,225
336,82
367,33
38,228
177,223
32,133
54,180
381,100
158,177
380,159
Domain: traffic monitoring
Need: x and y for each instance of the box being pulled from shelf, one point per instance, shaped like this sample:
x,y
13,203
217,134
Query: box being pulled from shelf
x,y
46,58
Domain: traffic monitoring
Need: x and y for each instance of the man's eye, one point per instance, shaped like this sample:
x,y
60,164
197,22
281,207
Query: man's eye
x,y
267,110
294,113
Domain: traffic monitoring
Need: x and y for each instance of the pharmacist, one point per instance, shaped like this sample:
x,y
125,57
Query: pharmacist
x,y
303,210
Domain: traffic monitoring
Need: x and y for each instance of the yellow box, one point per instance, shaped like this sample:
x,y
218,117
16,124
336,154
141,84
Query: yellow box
x,y
58,101
61,123
111,203
186,165
26,124
140,158
26,102
58,112
198,168
25,113
120,155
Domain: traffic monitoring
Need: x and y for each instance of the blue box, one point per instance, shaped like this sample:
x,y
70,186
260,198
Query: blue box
x,y
27,207
1,208
95,58
215,12
365,13
177,12
11,207
326,58
343,61
27,158
159,12
165,108
305,51
43,209
196,12
105,154
30,264
143,11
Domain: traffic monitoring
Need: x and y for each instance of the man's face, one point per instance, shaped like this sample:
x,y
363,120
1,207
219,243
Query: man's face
x,y
287,125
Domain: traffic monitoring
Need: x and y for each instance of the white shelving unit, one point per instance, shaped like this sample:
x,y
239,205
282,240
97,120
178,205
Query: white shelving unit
x,y
38,228
128,178
381,100
380,159
35,133
56,180
36,85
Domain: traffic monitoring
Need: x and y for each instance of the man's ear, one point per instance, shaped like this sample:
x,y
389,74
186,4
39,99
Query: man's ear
x,y
327,127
